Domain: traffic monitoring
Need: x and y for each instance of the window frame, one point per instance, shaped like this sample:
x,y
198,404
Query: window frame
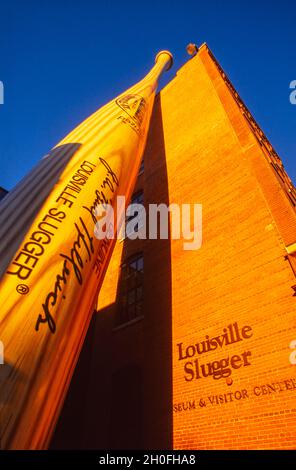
x,y
130,291
134,200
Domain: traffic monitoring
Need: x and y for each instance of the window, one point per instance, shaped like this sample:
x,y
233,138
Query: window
x,y
137,198
131,289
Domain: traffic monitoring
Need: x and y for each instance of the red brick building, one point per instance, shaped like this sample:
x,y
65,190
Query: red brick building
x,y
192,349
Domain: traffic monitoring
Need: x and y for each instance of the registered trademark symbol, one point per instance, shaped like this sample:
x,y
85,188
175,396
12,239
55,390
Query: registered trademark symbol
x,y
22,289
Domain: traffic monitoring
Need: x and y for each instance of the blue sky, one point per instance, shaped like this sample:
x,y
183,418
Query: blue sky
x,y
62,60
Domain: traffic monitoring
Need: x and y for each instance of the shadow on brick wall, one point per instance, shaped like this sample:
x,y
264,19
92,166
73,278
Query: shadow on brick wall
x,y
120,396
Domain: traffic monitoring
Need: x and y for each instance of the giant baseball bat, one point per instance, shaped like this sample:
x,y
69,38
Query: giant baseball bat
x,y
54,265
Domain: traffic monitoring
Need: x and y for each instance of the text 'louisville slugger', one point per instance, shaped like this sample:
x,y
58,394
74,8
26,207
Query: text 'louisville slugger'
x,y
53,265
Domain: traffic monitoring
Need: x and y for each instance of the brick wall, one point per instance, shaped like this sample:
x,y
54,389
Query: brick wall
x,y
201,149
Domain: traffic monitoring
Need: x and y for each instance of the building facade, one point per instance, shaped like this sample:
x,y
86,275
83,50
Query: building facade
x,y
195,349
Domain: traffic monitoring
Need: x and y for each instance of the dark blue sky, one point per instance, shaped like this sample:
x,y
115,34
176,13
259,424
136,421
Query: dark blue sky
x,y
61,60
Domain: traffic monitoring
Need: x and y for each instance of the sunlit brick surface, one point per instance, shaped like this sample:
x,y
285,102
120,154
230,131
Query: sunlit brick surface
x,y
201,149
